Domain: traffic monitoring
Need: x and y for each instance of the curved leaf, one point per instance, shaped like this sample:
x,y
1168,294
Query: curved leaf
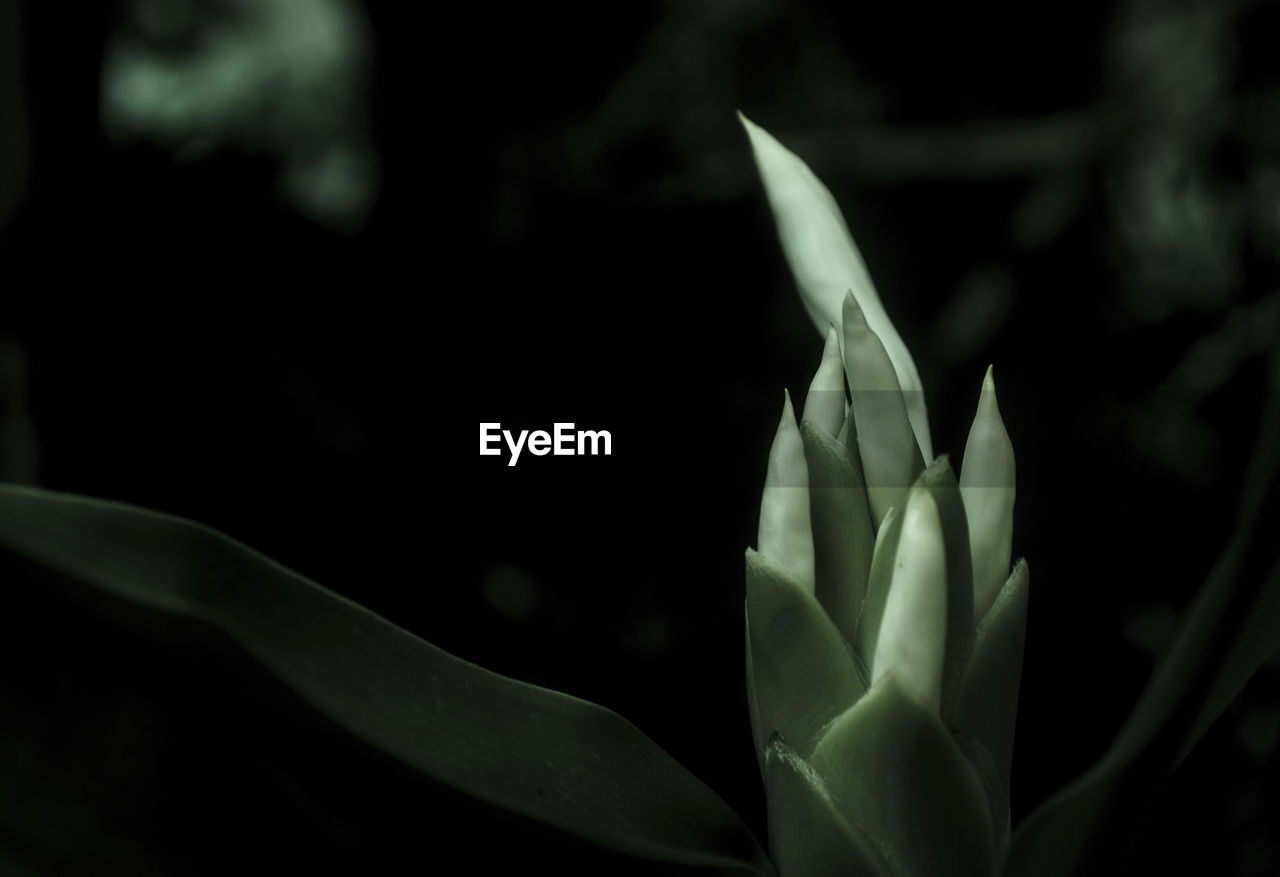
x,y
1219,648
552,757
1231,628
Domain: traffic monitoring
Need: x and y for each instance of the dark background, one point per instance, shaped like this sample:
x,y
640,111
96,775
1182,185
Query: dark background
x,y
568,227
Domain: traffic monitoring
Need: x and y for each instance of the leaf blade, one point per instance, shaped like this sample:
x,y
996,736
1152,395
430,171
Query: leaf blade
x,y
581,767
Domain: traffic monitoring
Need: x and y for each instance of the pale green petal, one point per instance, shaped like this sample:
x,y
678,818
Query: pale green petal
x,y
879,578
826,262
880,547
843,537
885,440
987,489
913,632
825,403
785,537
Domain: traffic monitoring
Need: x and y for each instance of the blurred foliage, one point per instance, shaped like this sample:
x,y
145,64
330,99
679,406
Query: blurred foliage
x,y
288,78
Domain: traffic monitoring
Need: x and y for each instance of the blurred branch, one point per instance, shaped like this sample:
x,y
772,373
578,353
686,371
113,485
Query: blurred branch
x,y
995,148
999,147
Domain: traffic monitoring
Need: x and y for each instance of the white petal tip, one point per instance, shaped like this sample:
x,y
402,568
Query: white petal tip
x,y
785,537
824,404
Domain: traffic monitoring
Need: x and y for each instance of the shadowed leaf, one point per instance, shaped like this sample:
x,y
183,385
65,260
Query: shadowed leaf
x,y
557,759
1231,628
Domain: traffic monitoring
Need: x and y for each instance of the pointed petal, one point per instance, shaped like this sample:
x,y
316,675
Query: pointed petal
x,y
824,405
913,632
878,580
941,484
987,489
785,537
843,538
826,262
890,457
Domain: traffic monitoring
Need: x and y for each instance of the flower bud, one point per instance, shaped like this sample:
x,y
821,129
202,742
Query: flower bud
x,y
883,690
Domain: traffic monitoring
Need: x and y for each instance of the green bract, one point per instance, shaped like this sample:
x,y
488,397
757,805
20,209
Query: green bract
x,y
884,627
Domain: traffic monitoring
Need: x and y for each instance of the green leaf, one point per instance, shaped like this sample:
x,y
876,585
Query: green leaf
x,y
894,772
549,756
1256,639
841,522
987,706
802,672
808,836
1219,648
1232,627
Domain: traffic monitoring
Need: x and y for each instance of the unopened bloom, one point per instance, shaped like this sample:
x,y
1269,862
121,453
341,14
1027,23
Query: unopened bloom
x,y
884,625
